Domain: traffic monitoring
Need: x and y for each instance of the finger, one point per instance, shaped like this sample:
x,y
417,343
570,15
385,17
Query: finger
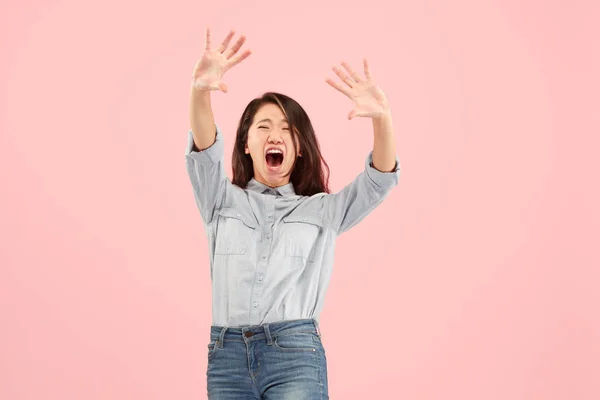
x,y
226,41
353,74
367,71
345,78
236,47
337,86
207,46
352,114
238,59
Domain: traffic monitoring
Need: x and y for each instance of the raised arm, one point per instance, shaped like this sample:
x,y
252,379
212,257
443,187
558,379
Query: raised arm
x,y
370,101
382,170
207,77
204,153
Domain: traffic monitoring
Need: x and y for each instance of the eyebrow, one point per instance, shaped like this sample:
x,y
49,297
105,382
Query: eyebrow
x,y
269,120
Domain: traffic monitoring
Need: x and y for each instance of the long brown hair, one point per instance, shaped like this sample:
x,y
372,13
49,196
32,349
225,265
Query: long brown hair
x,y
310,173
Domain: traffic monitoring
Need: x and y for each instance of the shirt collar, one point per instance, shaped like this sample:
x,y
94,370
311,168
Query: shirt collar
x,y
285,190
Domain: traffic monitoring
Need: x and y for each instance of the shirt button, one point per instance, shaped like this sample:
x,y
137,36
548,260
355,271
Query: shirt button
x,y
268,236
260,278
255,304
303,218
239,215
264,256
269,214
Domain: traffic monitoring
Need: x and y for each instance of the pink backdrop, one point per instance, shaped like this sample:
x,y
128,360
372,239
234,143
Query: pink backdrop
x,y
476,279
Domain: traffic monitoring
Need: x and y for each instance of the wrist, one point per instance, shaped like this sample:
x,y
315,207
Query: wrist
x,y
385,114
199,95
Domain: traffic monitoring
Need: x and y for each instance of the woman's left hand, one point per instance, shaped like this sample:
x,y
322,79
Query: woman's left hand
x,y
369,100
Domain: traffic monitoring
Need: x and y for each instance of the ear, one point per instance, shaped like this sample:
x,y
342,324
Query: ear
x,y
246,150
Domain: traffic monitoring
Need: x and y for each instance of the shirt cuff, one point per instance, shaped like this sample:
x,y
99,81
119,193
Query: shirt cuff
x,y
211,154
383,179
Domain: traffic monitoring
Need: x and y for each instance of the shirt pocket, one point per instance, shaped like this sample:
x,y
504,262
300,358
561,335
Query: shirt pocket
x,y
301,235
235,231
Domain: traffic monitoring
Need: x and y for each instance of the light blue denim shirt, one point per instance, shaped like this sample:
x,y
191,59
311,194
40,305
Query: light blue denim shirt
x,y
272,251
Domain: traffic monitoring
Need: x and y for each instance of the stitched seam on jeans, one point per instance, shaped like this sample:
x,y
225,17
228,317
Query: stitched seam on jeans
x,y
293,333
233,340
294,349
320,374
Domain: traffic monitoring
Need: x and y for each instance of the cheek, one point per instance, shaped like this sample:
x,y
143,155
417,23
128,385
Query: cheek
x,y
252,144
290,146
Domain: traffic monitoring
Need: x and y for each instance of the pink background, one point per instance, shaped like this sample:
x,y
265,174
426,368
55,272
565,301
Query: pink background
x,y
476,279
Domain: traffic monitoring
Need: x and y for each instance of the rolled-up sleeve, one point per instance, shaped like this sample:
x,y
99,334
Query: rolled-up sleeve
x,y
207,174
361,196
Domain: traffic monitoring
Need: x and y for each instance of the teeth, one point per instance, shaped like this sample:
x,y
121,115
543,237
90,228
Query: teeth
x,y
274,151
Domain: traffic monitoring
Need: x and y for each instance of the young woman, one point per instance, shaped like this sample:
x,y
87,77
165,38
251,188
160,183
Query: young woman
x,y
272,229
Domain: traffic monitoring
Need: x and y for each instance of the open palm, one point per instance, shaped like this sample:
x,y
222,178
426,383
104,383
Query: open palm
x,y
214,63
369,100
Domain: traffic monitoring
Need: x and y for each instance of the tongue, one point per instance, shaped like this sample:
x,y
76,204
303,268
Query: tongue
x,y
274,160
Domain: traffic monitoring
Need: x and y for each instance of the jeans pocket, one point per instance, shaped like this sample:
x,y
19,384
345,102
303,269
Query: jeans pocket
x,y
295,342
212,348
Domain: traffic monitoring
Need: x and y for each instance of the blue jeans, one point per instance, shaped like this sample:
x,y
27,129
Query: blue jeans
x,y
275,361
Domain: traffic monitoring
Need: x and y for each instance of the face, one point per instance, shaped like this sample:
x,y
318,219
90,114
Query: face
x,y
271,147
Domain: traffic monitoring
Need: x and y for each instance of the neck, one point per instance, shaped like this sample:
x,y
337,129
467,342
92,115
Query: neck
x,y
272,184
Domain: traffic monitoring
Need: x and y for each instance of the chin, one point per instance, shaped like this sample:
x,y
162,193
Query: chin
x,y
275,176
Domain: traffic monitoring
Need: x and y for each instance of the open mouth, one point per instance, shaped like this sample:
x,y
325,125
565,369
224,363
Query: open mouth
x,y
274,158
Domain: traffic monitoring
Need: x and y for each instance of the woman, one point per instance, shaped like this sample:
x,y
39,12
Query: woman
x,y
272,229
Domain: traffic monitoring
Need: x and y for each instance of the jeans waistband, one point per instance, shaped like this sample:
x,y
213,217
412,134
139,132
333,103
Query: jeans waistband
x,y
264,331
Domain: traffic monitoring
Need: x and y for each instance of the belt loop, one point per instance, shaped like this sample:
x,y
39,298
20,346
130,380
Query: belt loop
x,y
268,334
222,337
317,327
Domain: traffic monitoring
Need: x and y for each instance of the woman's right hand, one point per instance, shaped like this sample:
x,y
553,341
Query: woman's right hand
x,y
214,63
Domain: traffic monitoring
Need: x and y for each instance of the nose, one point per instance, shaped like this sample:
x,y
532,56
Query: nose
x,y
275,137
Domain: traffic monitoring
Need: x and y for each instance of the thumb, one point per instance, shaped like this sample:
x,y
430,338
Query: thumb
x,y
352,114
223,87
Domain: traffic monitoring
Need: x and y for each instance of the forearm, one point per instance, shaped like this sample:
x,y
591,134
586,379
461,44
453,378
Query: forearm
x,y
202,121
384,143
